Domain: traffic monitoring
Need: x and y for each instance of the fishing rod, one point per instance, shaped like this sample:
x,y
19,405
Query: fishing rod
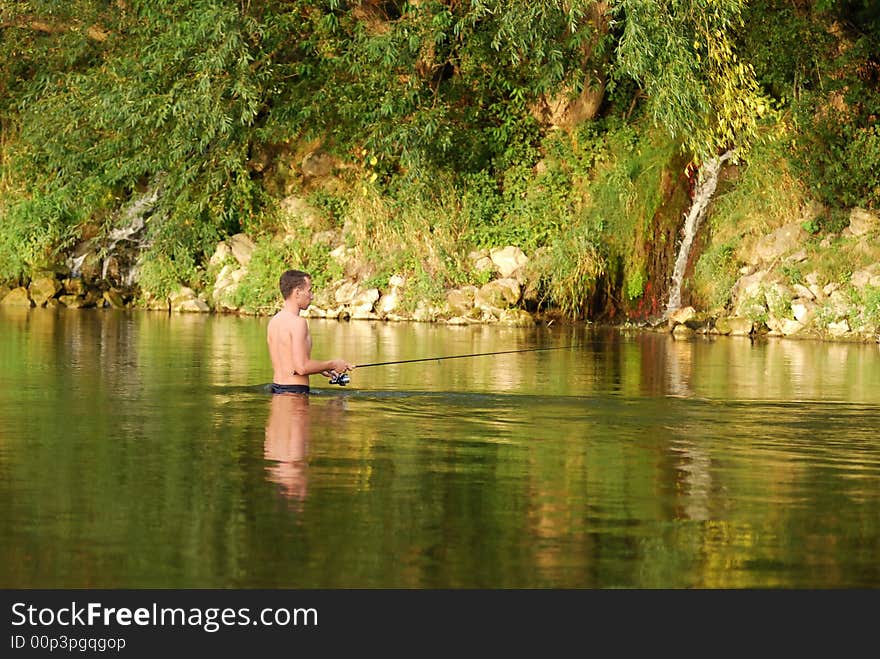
x,y
343,379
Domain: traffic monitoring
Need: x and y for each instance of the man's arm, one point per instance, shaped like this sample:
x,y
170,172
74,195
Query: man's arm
x,y
303,364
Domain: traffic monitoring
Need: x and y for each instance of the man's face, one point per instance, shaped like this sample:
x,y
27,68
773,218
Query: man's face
x,y
303,294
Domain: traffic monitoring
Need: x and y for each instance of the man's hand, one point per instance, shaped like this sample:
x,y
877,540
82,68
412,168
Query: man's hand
x,y
340,366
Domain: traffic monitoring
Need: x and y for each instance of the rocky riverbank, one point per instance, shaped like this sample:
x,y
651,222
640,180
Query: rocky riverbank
x,y
796,285
784,288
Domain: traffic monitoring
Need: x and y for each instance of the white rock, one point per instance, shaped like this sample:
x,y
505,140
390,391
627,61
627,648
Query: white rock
x,y
242,248
508,260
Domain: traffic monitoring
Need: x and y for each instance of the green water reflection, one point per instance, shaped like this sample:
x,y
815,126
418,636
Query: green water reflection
x,y
141,450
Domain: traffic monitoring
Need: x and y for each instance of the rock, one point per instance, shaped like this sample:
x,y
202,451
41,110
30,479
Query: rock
x,y
346,292
752,307
803,292
84,262
362,304
91,269
18,297
242,248
838,328
43,288
507,260
869,276
155,303
367,297
682,331
839,305
361,313
225,286
782,241
317,164
531,292
324,298
426,313
480,259
297,211
690,317
314,312
774,324
75,301
193,305
749,286
700,321
344,256
789,327
224,280
734,326
74,286
114,298
326,238
863,222
112,270
516,318
682,315
389,302
220,254
803,310
186,301
461,300
498,294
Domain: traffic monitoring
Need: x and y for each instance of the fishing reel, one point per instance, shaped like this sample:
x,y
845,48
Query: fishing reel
x,y
341,379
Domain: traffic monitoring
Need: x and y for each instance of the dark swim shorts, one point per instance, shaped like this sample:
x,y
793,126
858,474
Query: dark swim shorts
x,y
290,388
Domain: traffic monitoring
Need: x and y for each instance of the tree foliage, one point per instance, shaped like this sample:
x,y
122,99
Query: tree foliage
x,y
831,89
180,94
101,100
683,53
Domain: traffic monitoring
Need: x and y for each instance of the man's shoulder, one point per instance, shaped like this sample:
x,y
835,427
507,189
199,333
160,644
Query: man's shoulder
x,y
285,319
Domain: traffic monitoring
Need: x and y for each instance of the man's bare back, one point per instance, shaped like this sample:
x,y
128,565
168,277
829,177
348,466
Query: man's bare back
x,y
290,346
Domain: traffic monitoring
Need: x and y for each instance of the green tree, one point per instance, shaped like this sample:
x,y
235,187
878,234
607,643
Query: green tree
x,y
683,54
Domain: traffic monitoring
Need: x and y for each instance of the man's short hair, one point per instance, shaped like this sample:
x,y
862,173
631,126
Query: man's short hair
x,y
291,280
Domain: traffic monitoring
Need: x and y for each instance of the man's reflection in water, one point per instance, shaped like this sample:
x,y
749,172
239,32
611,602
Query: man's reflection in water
x,y
287,445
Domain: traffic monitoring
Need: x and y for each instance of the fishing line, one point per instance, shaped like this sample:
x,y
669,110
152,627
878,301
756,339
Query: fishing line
x,y
343,379
475,354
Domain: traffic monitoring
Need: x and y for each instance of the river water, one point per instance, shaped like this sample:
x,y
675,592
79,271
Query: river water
x,y
141,450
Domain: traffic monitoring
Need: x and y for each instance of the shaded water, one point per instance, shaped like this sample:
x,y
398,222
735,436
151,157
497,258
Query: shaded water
x,y
141,450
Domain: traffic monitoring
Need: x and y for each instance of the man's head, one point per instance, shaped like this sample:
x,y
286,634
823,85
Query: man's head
x,y
293,280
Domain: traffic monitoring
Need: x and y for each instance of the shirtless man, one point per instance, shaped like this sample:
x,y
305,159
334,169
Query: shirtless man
x,y
290,344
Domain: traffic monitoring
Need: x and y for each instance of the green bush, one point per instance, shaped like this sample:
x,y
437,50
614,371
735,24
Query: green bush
x,y
870,302
35,231
837,146
715,275
258,290
572,268
160,274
